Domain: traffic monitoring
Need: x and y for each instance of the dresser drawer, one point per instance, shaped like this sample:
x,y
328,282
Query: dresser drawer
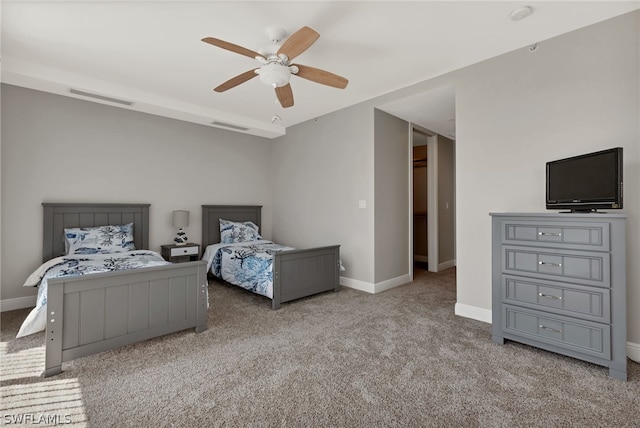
x,y
185,251
590,303
582,267
562,332
582,236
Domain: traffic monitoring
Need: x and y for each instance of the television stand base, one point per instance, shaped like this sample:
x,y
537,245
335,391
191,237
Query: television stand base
x,y
585,211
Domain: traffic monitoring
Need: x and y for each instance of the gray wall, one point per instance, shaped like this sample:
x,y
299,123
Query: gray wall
x,y
392,197
60,149
321,169
577,93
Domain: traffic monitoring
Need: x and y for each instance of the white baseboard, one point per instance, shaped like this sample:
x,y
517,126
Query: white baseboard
x,y
377,287
392,283
358,285
472,312
17,303
633,351
446,265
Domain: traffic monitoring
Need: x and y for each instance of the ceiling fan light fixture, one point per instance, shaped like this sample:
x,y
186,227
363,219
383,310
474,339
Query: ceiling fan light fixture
x,y
276,69
274,75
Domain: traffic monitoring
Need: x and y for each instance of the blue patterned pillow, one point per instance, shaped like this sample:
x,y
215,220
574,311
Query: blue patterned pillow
x,y
99,240
231,232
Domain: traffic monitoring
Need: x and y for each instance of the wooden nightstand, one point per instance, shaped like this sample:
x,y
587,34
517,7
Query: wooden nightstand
x,y
181,253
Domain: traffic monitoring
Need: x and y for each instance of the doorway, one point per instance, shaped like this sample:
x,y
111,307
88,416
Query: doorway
x,y
433,200
432,114
420,193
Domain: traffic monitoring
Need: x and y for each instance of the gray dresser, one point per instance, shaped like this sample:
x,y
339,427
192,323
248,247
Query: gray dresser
x,y
559,283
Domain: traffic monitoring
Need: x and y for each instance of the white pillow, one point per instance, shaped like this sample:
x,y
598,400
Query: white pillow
x,y
231,231
99,239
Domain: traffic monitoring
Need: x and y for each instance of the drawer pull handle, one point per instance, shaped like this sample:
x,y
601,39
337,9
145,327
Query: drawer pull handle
x,y
550,264
549,234
555,330
550,296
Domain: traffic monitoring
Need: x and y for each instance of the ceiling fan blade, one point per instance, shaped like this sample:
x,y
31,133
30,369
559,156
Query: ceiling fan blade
x,y
285,95
235,81
231,47
298,42
321,76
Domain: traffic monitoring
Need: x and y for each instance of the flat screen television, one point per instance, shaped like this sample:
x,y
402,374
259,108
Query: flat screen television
x,y
585,183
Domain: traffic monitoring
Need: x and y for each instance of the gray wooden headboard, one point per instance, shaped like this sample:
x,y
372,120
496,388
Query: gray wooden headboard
x,y
211,215
58,216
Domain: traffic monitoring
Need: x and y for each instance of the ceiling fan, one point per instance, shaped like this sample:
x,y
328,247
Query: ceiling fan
x,y
276,67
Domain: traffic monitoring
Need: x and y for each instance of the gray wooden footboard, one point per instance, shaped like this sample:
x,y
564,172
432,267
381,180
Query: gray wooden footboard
x,y
301,273
93,313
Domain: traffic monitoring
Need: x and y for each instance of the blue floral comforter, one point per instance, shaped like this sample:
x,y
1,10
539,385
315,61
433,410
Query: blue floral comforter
x,y
246,264
79,265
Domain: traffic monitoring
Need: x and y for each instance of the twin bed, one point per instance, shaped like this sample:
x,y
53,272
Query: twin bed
x,y
87,314
295,273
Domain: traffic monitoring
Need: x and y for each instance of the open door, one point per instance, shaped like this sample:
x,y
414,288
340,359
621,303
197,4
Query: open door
x,y
420,213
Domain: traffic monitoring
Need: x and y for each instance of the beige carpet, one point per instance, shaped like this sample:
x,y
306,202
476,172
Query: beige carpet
x,y
349,359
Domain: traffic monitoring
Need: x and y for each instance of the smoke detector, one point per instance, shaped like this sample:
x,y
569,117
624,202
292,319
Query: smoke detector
x,y
520,13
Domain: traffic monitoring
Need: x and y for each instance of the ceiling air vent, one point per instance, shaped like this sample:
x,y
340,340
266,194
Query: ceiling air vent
x,y
229,125
100,97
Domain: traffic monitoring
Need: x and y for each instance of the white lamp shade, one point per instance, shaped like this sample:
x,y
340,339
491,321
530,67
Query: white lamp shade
x,y
180,218
274,75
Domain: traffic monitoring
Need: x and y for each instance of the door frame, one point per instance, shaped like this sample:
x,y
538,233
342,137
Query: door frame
x,y
432,198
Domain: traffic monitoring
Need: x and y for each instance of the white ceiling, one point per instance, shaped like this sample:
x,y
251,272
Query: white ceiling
x,y
151,53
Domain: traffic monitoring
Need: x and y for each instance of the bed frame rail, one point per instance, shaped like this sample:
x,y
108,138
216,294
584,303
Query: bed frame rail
x,y
93,313
301,273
